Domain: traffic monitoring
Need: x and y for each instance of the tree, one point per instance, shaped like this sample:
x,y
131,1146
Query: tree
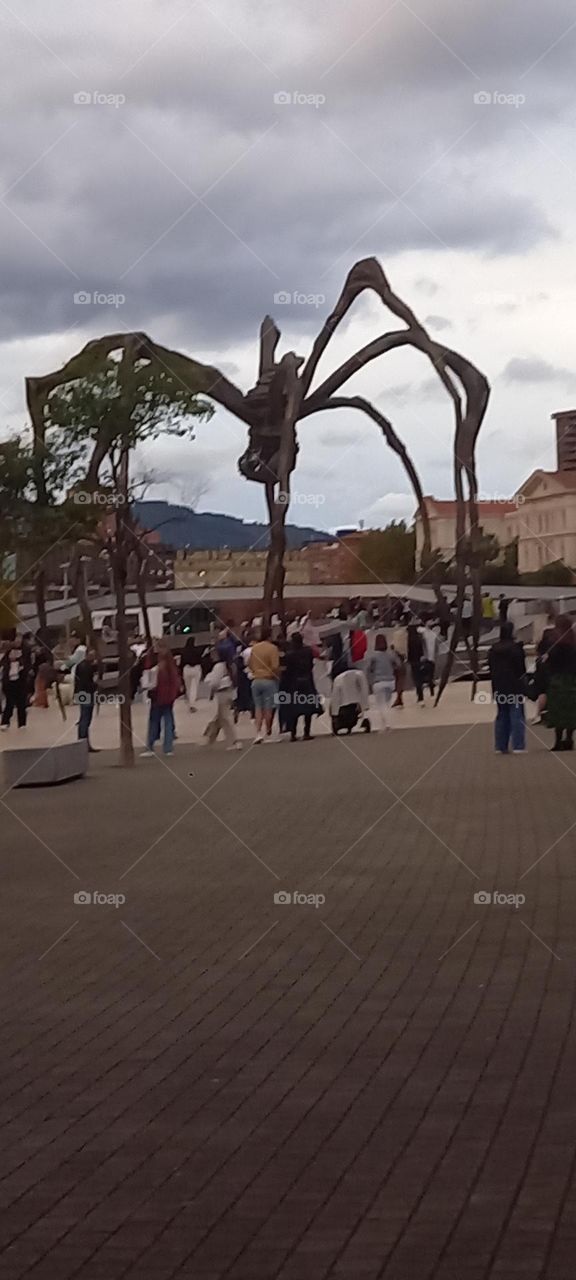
x,y
388,554
105,402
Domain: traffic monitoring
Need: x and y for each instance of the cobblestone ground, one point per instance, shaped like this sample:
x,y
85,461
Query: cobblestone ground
x,y
379,1082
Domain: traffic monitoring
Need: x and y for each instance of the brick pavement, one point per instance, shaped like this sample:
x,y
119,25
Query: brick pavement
x,y
201,1082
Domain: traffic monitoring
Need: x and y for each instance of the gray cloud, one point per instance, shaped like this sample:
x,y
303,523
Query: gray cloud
x,y
534,369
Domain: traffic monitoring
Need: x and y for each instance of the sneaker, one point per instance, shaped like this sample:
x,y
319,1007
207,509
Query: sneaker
x,y
168,753
236,746
4,728
146,753
258,739
519,751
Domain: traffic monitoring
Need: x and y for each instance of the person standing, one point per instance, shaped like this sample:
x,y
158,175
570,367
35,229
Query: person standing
x,y
15,667
382,667
358,648
507,671
191,670
467,611
85,694
503,608
415,656
488,613
221,684
164,687
430,645
561,695
264,663
299,685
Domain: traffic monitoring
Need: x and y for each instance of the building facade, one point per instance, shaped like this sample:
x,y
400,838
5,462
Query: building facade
x,y
544,520
442,516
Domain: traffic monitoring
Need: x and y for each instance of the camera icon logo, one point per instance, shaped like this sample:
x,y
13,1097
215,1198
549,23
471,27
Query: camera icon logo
x,y
282,898
82,898
282,698
82,98
282,98
482,898
483,99
82,298
282,298
81,699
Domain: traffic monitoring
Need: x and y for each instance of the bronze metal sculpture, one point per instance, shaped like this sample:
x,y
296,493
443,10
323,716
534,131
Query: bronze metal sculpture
x,y
283,396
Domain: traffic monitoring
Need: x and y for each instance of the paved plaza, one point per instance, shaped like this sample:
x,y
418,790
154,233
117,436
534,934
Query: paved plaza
x,y
374,1078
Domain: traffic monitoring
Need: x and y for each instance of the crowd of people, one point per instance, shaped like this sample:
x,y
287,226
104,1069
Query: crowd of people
x,y
268,672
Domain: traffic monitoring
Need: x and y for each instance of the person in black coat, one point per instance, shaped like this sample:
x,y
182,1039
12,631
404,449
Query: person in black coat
x,y
508,671
415,656
16,665
300,689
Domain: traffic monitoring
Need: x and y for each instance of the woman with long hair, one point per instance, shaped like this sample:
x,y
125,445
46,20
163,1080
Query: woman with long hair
x,y
561,695
163,685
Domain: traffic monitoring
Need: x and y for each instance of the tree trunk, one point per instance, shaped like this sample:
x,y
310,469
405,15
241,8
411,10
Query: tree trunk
x,y
119,568
40,595
141,583
275,572
79,587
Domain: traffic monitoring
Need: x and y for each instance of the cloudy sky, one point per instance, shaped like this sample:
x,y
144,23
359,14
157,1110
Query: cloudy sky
x,y
192,160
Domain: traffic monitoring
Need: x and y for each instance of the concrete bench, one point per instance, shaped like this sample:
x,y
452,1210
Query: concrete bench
x,y
44,766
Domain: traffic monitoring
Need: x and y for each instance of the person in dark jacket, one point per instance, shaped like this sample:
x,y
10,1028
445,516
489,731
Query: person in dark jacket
x,y
416,656
85,693
561,696
15,669
299,685
507,671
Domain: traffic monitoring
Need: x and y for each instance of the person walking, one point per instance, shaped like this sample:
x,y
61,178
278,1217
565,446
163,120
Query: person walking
x,y
382,667
163,688
264,663
191,670
507,667
561,694
299,685
85,694
15,667
220,681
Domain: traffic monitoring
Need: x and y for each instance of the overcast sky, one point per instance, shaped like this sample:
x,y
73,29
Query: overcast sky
x,y
150,153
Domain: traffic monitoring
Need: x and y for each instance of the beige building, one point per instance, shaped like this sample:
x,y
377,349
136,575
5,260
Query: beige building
x,y
493,518
544,520
235,568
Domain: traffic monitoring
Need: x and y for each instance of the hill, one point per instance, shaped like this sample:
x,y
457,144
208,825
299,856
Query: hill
x,y
207,530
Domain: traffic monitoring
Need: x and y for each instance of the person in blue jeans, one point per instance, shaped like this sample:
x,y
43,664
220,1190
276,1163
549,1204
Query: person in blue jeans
x,y
164,689
507,671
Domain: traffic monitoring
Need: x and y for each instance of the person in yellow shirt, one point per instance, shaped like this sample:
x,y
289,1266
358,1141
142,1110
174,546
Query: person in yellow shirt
x,y
264,666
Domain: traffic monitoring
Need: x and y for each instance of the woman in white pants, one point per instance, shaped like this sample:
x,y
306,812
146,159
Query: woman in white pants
x,y
222,692
382,666
191,670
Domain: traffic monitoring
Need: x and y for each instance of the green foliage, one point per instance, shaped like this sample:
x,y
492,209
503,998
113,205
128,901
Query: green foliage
x,y
388,554
103,406
556,574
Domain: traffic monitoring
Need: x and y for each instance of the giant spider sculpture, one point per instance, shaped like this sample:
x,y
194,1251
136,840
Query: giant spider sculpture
x,y
283,396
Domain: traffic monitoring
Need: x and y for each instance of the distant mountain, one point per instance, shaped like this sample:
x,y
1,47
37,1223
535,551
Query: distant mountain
x,y
207,530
